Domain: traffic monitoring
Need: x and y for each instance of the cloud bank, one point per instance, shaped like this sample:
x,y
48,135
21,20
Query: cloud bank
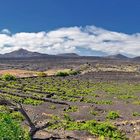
x,y
71,39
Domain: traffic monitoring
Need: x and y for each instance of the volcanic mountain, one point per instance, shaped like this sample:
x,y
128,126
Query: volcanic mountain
x,y
22,53
117,56
136,58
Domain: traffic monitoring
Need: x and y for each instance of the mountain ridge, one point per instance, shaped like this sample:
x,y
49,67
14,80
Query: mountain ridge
x,y
23,53
117,56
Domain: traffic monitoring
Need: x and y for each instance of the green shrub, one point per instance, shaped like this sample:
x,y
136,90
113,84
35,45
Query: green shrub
x,y
4,109
136,113
113,115
67,73
136,102
17,116
8,77
92,112
74,72
52,107
11,129
67,118
63,74
71,109
32,101
127,97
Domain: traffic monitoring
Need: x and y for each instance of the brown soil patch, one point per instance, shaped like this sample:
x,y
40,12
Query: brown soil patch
x,y
54,71
28,73
19,73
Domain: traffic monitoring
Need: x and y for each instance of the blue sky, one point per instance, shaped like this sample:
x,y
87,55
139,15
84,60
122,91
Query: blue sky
x,y
87,27
44,15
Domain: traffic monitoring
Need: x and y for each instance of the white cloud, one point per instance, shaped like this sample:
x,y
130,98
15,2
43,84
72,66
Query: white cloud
x,y
5,31
66,40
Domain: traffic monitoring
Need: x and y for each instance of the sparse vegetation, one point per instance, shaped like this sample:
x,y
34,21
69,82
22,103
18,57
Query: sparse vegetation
x,y
99,129
84,95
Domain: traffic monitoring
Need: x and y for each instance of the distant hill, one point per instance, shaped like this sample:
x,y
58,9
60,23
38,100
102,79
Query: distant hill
x,y
68,55
22,53
117,56
136,58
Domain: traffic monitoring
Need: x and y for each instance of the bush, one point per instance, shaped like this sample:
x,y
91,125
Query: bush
x,y
34,102
113,115
17,116
74,72
11,129
63,74
93,112
52,107
8,77
41,74
136,114
71,109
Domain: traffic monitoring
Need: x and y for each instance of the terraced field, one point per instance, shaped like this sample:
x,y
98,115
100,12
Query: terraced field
x,y
78,102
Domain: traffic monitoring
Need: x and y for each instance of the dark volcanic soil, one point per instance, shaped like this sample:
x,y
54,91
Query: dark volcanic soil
x,y
43,64
127,122
125,99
